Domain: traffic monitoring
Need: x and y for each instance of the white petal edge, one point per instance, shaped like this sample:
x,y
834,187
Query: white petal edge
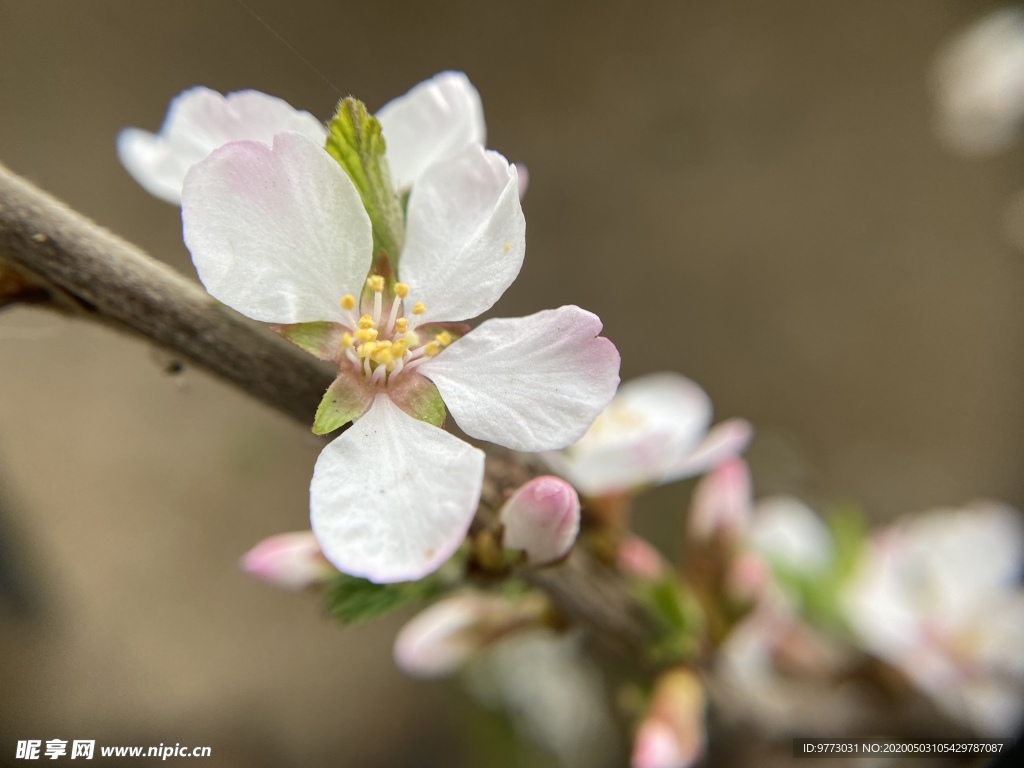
x,y
532,383
724,441
434,121
199,121
278,233
465,235
654,423
392,498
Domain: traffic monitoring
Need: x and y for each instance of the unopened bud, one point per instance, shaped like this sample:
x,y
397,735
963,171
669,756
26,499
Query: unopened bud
x,y
722,502
440,639
288,560
542,518
672,734
639,559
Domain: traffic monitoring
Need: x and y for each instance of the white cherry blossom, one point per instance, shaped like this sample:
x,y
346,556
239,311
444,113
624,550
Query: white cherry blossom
x,y
433,122
938,595
655,431
280,234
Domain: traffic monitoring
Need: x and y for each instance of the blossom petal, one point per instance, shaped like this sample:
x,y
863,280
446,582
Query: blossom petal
x,y
531,383
279,233
393,497
723,442
465,235
198,121
432,122
653,423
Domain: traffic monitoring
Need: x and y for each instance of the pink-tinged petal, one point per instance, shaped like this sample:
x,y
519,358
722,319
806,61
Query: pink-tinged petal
x,y
279,234
652,423
393,497
465,235
441,639
433,122
199,121
288,560
723,502
542,518
524,178
672,734
723,442
532,383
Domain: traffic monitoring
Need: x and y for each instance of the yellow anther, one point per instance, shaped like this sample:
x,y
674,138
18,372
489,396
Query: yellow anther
x,y
348,301
366,348
346,340
365,322
401,324
382,354
399,347
376,283
431,349
418,308
366,334
401,290
443,338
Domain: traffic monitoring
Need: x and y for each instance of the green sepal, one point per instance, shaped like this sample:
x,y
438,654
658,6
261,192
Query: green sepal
x,y
346,399
418,397
356,142
321,339
353,600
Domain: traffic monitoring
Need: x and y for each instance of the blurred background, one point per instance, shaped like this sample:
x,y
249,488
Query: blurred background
x,y
750,193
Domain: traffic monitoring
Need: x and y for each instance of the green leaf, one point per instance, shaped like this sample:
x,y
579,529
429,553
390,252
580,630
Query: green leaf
x,y
355,601
346,399
418,397
321,339
356,142
680,621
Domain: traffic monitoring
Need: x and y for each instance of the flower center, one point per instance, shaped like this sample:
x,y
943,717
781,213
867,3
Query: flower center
x,y
381,344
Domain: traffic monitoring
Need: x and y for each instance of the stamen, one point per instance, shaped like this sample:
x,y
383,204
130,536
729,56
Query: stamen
x,y
366,349
376,283
378,374
365,322
443,338
348,302
396,307
418,308
432,349
401,324
367,334
346,340
401,290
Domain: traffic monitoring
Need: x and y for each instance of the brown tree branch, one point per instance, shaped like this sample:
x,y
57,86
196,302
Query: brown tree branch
x,y
54,257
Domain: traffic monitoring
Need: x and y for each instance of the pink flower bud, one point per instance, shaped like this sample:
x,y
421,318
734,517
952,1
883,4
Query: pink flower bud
x,y
672,734
288,560
443,637
542,518
639,559
722,502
